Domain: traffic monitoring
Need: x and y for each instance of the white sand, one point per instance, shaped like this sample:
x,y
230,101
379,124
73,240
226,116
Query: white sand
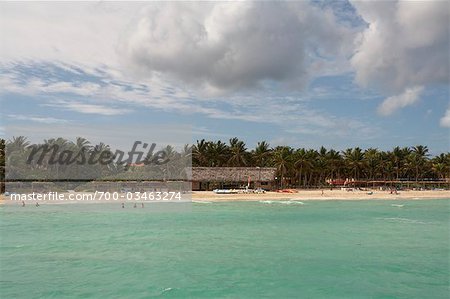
x,y
303,195
317,195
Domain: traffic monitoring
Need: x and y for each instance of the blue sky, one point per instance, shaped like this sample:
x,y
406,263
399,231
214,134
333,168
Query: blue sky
x,y
303,74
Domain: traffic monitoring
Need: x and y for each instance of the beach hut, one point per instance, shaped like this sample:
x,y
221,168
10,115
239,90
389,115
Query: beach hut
x,y
209,178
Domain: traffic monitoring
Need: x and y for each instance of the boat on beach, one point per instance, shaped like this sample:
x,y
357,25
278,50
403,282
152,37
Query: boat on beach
x,y
225,191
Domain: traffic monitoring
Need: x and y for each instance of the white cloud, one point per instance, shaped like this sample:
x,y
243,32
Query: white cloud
x,y
11,83
109,97
405,44
81,34
220,47
225,46
445,120
39,119
217,45
407,98
88,108
97,90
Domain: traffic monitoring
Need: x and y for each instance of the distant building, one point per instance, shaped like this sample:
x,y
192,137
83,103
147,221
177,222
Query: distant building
x,y
209,178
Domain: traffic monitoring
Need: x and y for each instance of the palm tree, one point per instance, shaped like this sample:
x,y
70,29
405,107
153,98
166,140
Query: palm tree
x,y
420,150
385,168
170,168
19,143
301,163
302,167
281,159
320,165
187,151
354,158
82,144
218,153
200,153
16,154
185,161
104,152
441,165
412,166
398,157
311,156
372,157
334,162
440,169
261,154
420,153
238,154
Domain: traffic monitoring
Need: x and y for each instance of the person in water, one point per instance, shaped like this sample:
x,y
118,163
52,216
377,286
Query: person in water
x,y
123,205
23,203
142,205
37,204
135,206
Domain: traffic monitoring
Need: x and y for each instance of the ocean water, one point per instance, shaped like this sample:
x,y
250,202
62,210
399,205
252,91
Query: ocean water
x,y
319,249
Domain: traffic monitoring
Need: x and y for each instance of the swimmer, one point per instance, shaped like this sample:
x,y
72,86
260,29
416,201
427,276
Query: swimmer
x,y
123,205
37,204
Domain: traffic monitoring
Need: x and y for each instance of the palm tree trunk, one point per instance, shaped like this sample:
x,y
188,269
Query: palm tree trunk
x,y
300,177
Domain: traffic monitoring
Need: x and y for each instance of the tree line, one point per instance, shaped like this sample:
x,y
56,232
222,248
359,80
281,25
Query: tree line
x,y
297,167
301,167
61,159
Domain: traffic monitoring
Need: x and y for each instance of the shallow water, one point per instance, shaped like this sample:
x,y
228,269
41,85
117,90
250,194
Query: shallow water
x,y
318,249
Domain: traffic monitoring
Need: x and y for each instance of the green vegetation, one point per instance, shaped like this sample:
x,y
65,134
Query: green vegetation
x,y
58,159
308,167
295,167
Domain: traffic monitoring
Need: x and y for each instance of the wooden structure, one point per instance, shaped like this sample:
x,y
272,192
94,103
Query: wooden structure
x,y
209,178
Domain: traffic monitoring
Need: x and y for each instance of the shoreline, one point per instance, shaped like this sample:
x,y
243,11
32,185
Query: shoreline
x,y
305,195
317,195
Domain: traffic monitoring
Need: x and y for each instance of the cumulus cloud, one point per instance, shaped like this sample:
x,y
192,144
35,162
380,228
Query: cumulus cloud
x,y
393,103
228,46
406,44
445,120
218,47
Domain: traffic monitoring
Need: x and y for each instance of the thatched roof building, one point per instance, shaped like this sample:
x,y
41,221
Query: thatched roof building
x,y
208,178
233,174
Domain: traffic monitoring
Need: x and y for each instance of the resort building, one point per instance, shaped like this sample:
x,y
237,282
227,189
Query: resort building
x,y
209,178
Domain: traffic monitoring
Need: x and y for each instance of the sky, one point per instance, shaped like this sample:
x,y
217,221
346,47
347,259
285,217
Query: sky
x,y
306,74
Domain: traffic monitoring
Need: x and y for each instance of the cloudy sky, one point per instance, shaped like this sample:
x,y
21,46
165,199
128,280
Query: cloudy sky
x,y
338,74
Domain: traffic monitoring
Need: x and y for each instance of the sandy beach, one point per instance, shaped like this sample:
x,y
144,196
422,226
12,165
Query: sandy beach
x,y
303,195
317,195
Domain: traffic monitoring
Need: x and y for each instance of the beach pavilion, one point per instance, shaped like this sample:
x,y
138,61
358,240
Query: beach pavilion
x,y
209,178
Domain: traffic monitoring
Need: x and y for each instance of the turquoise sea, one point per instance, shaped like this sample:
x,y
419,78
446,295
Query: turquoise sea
x,y
319,249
